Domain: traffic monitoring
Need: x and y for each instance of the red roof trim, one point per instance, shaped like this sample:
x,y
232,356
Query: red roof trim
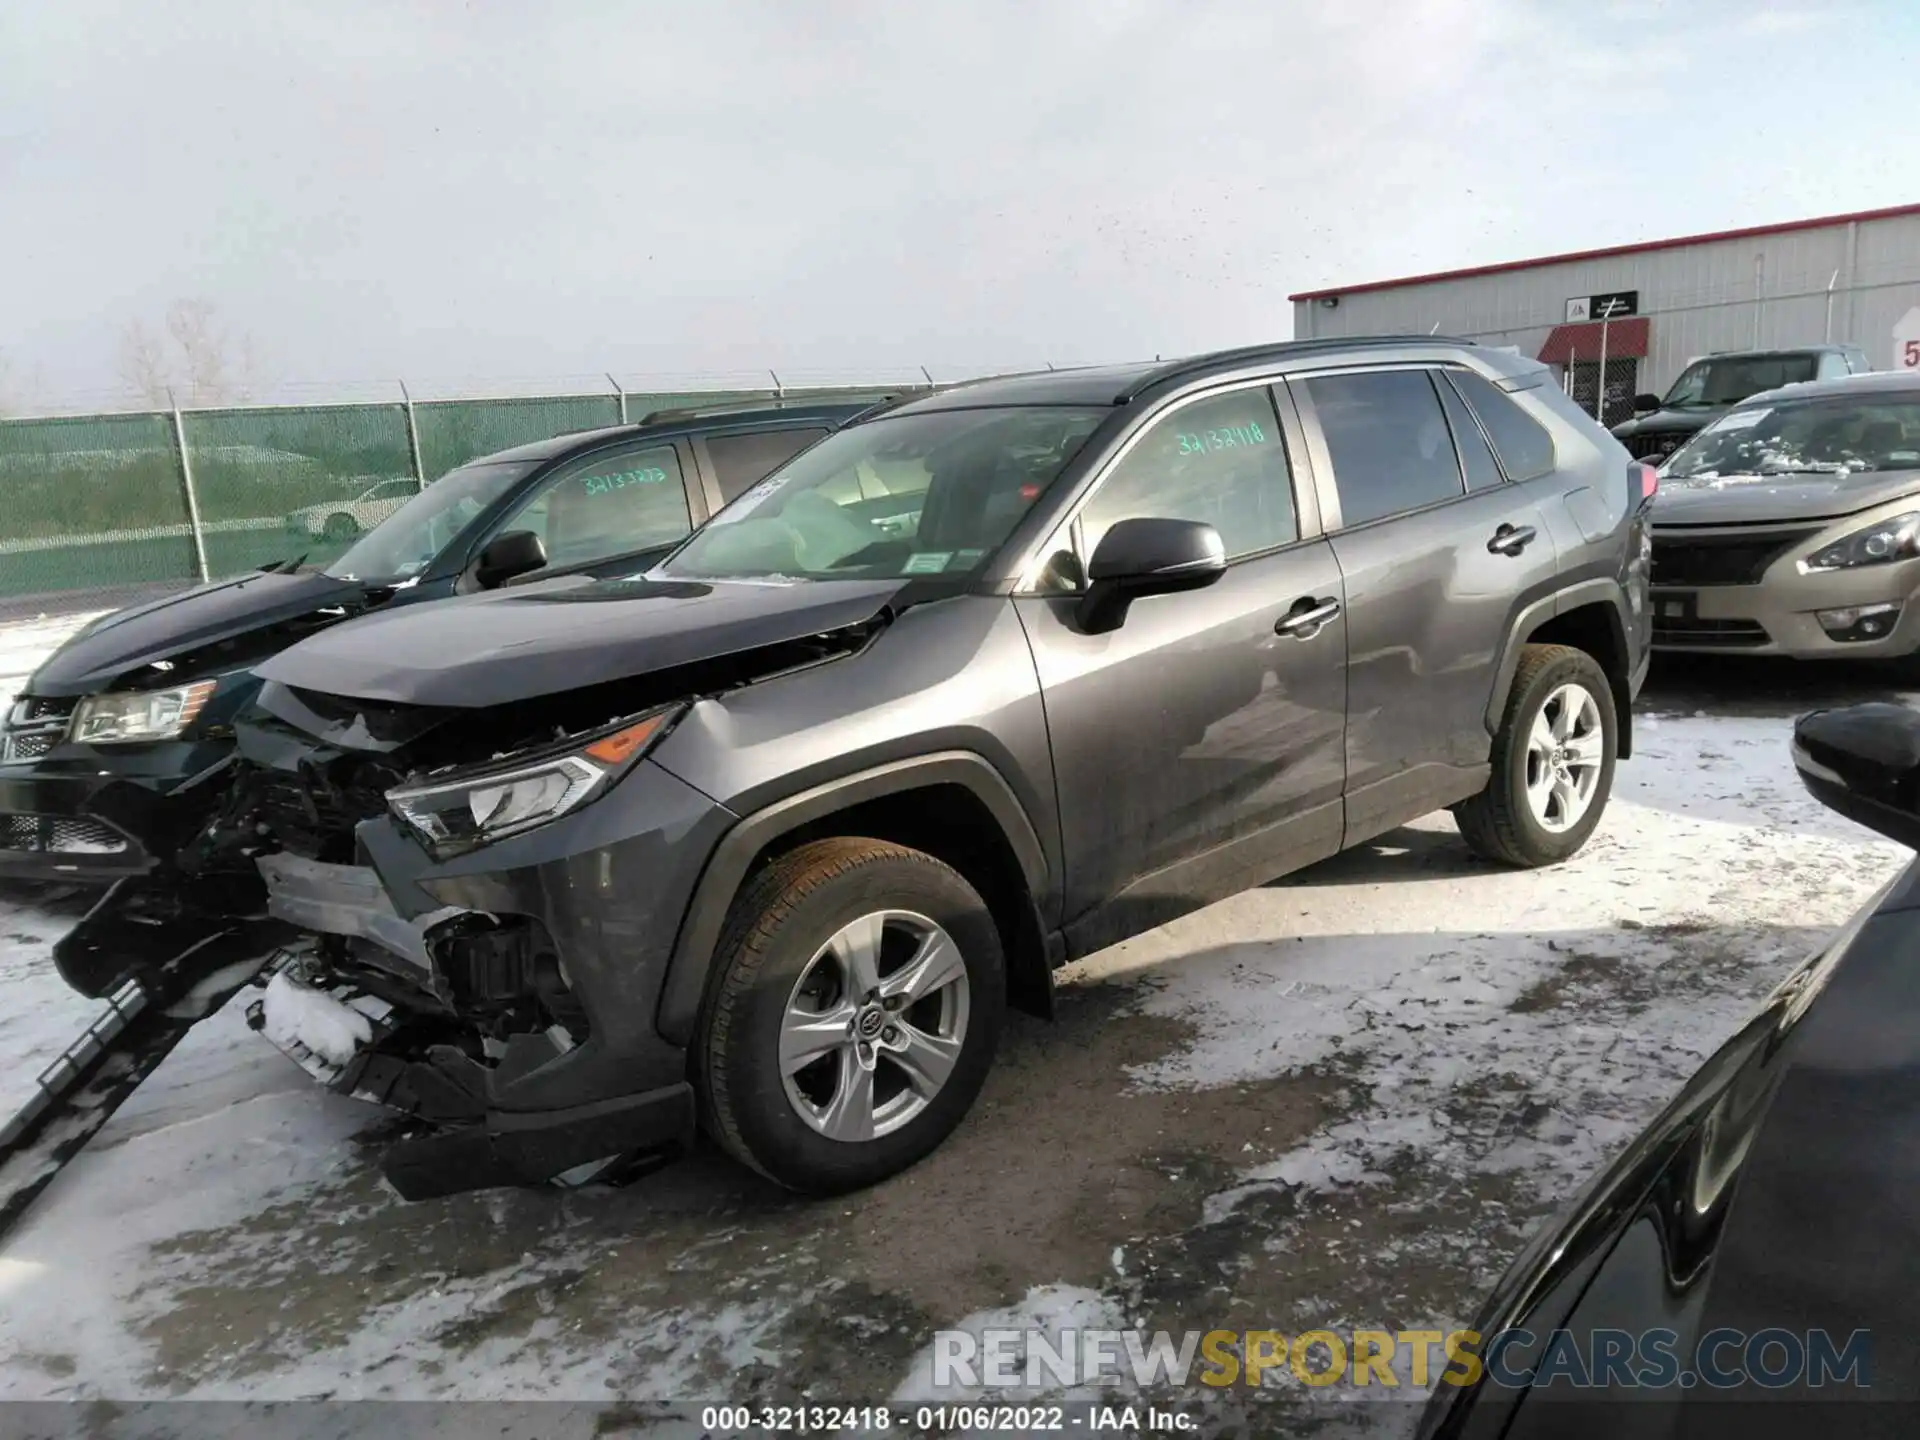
x,y
1625,340
1640,247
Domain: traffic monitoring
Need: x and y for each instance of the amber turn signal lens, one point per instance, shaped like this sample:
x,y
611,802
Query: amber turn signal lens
x,y
619,747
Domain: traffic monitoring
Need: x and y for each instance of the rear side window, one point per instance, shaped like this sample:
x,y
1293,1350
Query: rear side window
x,y
1475,458
1389,442
742,461
1522,442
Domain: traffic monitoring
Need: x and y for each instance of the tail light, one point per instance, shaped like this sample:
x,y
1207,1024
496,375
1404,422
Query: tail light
x,y
1644,479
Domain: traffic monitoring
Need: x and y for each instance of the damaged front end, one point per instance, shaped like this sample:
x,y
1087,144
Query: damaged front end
x,y
487,924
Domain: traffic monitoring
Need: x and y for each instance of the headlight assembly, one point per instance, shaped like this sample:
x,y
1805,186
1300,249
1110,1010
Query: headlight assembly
x,y
478,806
130,716
1890,540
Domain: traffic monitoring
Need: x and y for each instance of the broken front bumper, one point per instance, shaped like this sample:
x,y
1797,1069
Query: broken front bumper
x,y
94,815
607,887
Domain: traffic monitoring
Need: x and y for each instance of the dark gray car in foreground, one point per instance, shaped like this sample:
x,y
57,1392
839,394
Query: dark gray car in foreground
x,y
767,838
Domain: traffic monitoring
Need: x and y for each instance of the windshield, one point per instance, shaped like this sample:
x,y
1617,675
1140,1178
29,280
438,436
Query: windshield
x,y
928,494
1731,379
1837,437
401,545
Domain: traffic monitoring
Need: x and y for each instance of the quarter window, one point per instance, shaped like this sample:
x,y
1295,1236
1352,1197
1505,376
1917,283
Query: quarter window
x,y
1389,442
741,461
607,505
1220,460
1475,458
1522,442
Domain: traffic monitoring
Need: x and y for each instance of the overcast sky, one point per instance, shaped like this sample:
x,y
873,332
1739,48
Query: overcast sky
x,y
487,194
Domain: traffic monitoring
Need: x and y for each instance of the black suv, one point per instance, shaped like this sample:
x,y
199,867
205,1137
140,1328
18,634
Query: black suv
x,y
107,755
1708,388
768,838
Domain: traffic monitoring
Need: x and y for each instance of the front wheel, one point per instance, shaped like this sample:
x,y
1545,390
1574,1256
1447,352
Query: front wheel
x,y
340,527
859,993
1552,762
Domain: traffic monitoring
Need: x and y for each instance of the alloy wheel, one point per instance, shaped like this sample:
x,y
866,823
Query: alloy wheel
x,y
1566,748
874,1026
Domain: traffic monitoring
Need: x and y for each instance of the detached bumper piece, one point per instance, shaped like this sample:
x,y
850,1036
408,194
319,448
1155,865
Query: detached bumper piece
x,y
146,1016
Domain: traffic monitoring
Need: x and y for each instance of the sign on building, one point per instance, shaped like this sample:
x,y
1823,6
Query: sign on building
x,y
1610,305
1906,341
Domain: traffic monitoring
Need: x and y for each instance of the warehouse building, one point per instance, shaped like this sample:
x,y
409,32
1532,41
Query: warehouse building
x,y
1638,314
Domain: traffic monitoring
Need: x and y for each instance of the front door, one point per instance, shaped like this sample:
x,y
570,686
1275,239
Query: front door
x,y
1197,748
1438,551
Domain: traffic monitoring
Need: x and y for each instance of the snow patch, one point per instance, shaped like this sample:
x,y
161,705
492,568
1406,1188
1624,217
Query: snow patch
x,y
1046,1312
296,1015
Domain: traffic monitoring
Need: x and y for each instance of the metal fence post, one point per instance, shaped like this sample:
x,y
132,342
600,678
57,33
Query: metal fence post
x,y
413,440
620,394
186,484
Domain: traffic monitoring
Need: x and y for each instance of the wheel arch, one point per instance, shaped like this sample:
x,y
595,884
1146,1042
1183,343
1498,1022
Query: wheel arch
x,y
1590,617
953,804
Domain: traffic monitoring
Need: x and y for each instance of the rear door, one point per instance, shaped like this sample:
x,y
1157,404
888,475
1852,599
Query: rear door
x,y
1438,549
1197,748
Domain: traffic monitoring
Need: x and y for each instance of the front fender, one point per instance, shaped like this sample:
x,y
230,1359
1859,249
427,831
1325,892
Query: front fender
x,y
693,950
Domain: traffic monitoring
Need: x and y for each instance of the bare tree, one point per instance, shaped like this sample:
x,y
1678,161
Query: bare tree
x,y
194,360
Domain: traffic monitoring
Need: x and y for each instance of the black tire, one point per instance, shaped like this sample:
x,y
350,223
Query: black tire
x,y
781,919
1499,823
340,526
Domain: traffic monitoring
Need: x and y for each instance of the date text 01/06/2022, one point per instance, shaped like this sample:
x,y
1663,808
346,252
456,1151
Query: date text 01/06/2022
x,y
942,1419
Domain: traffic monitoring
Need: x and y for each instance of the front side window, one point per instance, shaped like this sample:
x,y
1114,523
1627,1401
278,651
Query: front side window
x,y
613,503
934,493
403,544
1219,460
1833,437
1388,439
1522,442
742,461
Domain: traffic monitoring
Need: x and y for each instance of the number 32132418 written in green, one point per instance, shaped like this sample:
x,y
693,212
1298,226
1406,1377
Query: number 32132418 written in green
x,y
1227,437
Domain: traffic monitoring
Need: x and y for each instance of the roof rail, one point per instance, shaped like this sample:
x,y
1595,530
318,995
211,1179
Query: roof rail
x,y
1276,350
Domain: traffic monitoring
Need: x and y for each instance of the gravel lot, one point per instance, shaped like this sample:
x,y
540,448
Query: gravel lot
x,y
1342,1099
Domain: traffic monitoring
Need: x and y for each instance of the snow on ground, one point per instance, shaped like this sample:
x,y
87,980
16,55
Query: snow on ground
x,y
25,644
1464,1044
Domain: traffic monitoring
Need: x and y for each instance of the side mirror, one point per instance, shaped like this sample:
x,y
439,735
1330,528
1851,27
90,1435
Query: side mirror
x,y
1864,763
1645,404
1136,558
511,553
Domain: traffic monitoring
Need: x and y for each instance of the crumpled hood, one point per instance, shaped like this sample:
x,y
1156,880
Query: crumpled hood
x,y
1758,499
178,624
534,640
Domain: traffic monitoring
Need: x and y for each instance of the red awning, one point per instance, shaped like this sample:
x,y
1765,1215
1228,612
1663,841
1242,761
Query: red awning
x,y
1626,339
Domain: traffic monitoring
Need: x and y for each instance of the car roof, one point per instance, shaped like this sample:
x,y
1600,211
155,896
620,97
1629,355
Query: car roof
x,y
692,421
1768,353
1871,382
1117,384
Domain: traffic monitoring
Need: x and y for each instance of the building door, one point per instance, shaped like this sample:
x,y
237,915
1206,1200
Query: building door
x,y
1623,378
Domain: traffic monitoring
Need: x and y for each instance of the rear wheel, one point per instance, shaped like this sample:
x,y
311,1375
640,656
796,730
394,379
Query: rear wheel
x,y
1552,761
858,999
340,527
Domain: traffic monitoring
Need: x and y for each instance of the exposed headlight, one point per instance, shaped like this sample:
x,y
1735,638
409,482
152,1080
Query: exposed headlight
x,y
130,716
478,806
1895,539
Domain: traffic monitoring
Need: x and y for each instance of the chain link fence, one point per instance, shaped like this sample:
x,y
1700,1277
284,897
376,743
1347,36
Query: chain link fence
x,y
101,508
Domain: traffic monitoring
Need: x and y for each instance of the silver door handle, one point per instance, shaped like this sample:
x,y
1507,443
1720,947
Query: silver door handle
x,y
1511,539
1305,624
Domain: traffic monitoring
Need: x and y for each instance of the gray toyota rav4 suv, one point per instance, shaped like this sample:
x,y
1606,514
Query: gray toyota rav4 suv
x,y
766,839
